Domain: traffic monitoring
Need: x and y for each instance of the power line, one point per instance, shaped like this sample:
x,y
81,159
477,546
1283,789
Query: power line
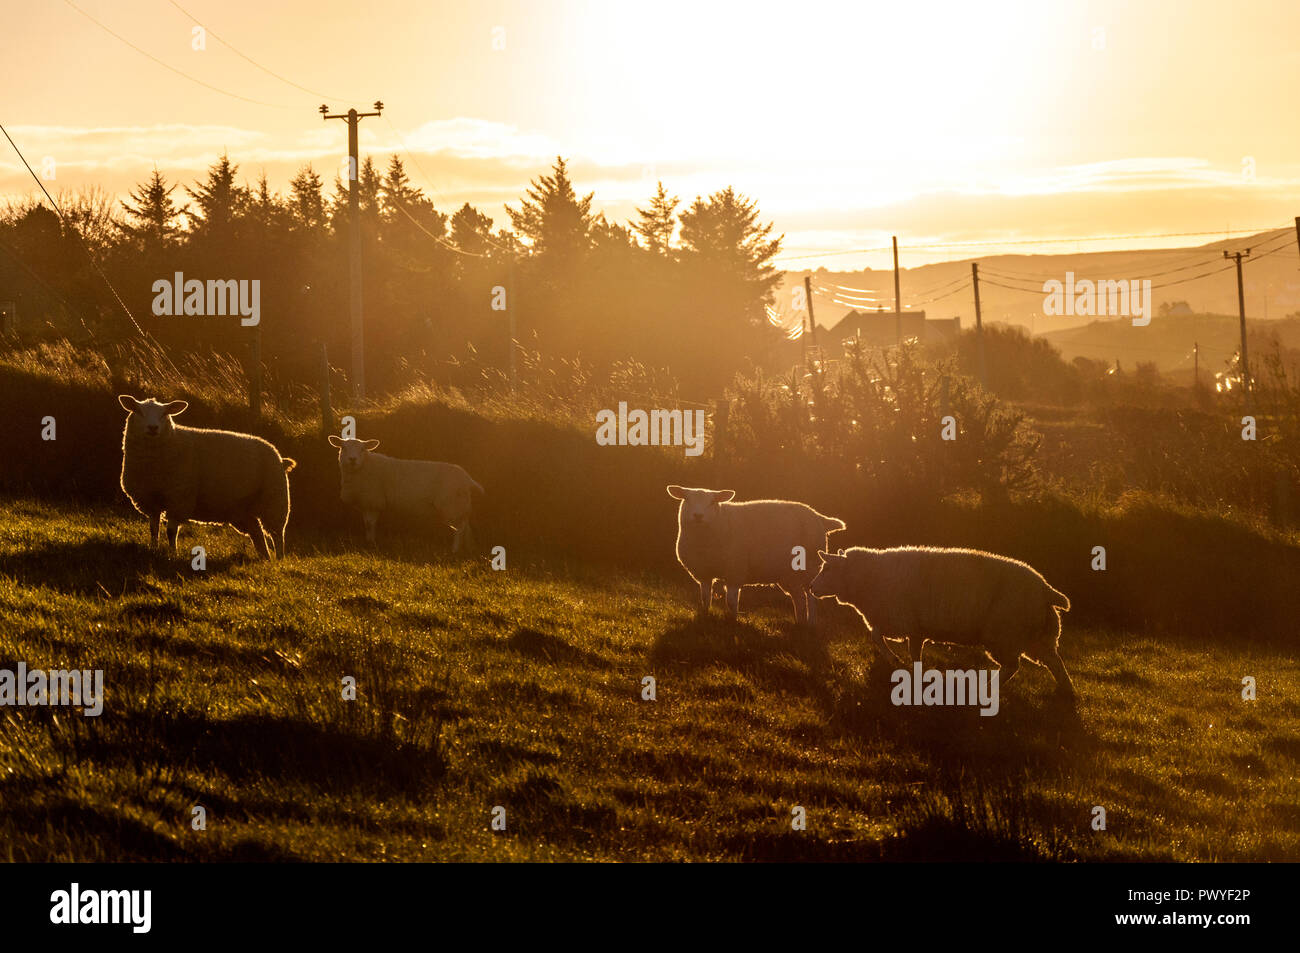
x,y
946,284
1272,251
947,294
440,241
1034,241
428,181
245,56
1180,281
182,73
86,248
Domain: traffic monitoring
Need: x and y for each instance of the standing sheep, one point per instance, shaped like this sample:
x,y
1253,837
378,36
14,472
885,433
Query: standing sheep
x,y
753,543
208,476
961,596
376,482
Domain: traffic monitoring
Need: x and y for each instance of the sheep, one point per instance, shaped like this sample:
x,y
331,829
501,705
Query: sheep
x,y
960,596
207,476
376,482
752,543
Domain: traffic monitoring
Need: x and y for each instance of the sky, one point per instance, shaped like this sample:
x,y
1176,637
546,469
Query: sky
x,y
848,122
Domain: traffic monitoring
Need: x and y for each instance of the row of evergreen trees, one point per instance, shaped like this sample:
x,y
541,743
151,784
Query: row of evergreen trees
x,y
681,286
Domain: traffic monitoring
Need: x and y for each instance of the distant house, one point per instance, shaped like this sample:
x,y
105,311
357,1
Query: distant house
x,y
883,328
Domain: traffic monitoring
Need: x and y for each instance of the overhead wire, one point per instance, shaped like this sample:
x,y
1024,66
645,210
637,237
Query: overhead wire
x,y
86,248
168,66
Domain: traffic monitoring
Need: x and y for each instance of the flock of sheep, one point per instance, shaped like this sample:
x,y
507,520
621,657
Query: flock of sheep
x,y
920,594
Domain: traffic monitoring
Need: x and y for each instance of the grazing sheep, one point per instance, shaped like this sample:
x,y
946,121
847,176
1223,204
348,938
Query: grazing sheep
x,y
208,476
960,596
376,482
745,544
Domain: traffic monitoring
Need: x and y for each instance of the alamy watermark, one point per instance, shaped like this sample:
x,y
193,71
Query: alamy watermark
x,y
77,906
1099,298
950,687
211,298
654,428
65,688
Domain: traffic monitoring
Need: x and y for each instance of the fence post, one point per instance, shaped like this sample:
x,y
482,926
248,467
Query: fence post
x,y
326,411
1283,500
720,409
255,375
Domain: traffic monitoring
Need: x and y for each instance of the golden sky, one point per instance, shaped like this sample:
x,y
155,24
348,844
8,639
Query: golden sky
x,y
848,122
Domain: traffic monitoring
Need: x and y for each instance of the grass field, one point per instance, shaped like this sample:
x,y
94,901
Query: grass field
x,y
522,689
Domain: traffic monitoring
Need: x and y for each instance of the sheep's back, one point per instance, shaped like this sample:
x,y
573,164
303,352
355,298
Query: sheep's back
x,y
960,594
415,485
230,471
755,542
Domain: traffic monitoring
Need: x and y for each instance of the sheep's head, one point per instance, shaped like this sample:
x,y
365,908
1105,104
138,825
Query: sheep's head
x,y
831,580
352,453
699,507
150,418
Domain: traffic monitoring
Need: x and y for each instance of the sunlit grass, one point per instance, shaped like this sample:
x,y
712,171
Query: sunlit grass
x,y
523,689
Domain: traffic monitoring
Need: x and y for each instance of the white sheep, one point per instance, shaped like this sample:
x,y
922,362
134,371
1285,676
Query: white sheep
x,y
420,488
207,476
752,543
961,596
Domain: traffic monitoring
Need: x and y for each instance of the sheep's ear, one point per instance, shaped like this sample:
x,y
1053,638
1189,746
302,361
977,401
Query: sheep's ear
x,y
676,492
722,496
372,444
175,407
840,553
129,403
335,441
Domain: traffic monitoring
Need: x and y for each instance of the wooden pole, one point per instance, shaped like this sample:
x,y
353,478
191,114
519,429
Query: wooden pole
x,y
255,374
1241,312
510,315
979,325
352,117
812,321
898,305
326,410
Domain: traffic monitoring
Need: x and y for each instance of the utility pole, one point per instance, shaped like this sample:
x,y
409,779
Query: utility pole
x,y
1196,366
812,321
979,323
511,326
1241,311
354,245
898,307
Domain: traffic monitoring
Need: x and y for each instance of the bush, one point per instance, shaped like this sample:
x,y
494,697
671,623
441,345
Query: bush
x,y
873,425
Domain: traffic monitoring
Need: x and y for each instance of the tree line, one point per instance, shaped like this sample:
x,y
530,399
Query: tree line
x,y
682,287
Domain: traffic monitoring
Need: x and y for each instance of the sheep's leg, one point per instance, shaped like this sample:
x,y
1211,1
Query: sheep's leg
x,y
254,530
464,536
371,519
706,597
173,530
917,644
800,607
811,612
1008,663
1064,687
733,601
885,651
154,520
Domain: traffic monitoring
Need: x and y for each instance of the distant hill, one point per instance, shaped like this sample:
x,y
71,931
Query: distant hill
x,y
1169,341
1011,285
